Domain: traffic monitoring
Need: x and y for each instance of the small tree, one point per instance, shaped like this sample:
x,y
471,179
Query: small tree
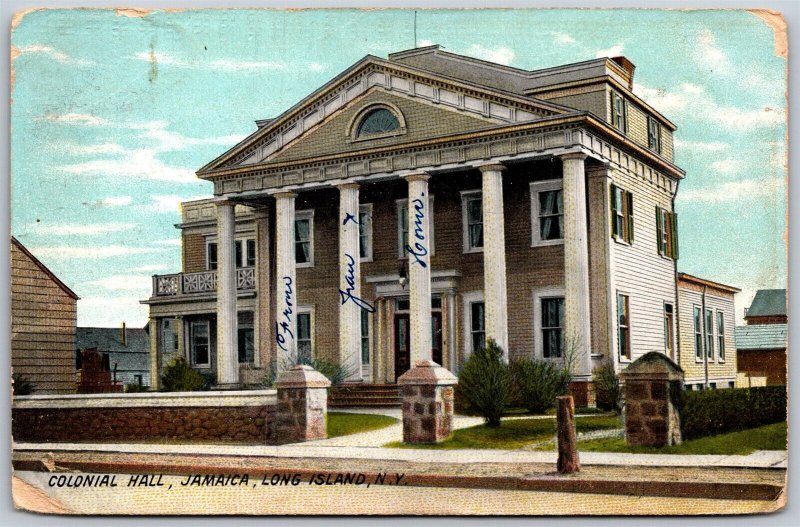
x,y
178,376
484,383
609,394
537,383
22,386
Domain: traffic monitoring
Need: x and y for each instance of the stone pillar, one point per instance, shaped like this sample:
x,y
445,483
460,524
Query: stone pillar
x,y
302,405
494,257
156,358
350,304
577,338
263,316
652,387
227,349
427,391
419,266
286,281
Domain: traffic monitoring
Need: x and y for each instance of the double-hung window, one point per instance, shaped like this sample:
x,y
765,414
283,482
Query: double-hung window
x,y
365,232
619,117
364,337
403,220
653,135
709,327
669,334
211,256
623,326
552,309
477,325
547,212
667,233
472,221
698,333
304,239
621,214
245,253
246,337
303,336
721,336
200,343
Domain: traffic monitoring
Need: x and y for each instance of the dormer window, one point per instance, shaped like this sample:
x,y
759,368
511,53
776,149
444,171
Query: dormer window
x,y
377,121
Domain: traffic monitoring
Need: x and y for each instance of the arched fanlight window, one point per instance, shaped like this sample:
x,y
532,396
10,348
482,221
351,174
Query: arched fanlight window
x,y
378,121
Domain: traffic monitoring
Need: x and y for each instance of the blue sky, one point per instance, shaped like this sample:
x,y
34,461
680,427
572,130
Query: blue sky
x,y
104,144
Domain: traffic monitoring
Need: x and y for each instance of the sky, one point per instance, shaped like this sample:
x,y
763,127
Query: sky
x,y
105,140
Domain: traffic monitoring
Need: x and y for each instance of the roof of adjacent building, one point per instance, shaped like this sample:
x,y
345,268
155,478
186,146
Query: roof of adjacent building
x,y
685,277
761,337
768,303
109,340
16,243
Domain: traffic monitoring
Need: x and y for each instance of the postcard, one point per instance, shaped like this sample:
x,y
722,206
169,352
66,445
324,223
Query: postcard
x,y
399,262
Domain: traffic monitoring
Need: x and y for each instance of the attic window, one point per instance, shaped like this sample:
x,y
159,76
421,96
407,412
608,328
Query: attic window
x,y
378,121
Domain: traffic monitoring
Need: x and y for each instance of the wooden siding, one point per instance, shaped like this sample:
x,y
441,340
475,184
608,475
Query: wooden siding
x,y
43,319
194,253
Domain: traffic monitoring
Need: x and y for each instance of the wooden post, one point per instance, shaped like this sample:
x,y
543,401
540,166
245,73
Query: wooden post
x,y
568,461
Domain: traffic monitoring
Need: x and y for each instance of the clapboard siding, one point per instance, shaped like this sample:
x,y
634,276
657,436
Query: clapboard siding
x,y
639,271
43,319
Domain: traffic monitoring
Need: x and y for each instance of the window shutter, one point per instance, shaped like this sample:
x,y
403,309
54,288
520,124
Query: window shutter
x,y
629,215
613,201
674,231
613,108
659,231
625,116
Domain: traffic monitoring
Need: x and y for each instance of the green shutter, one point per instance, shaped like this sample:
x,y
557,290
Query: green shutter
x,y
659,231
629,215
674,230
612,197
625,116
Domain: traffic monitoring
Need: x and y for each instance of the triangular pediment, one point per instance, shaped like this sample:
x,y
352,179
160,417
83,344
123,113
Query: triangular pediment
x,y
432,106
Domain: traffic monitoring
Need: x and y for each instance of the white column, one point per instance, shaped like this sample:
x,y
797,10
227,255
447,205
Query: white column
x,y
577,336
419,267
227,349
494,256
350,304
263,315
286,281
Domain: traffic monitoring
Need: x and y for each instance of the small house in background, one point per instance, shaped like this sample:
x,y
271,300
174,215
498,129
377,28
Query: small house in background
x,y
761,343
43,319
124,352
707,346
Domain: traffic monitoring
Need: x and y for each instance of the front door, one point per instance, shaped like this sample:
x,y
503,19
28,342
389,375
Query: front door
x,y
402,342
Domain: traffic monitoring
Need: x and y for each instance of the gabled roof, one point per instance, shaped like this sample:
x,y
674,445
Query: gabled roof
x,y
109,340
44,268
768,303
761,336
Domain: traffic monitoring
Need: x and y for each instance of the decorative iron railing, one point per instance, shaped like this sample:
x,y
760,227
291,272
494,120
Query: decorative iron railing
x,y
198,283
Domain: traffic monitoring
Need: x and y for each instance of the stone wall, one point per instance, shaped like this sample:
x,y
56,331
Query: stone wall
x,y
225,417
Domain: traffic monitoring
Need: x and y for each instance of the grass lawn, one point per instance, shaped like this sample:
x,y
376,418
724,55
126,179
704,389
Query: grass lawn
x,y
769,437
513,433
343,423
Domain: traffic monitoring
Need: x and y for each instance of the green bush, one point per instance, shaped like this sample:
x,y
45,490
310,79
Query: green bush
x,y
535,384
712,412
178,376
607,390
22,386
135,388
336,373
484,383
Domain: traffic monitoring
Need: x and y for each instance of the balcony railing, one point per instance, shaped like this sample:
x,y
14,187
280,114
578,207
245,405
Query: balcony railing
x,y
197,283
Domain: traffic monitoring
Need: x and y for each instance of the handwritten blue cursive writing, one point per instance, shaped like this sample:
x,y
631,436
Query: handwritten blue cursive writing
x,y
350,279
419,250
284,327
349,217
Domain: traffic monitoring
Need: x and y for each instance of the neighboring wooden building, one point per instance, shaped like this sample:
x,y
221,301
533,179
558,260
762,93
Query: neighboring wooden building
x,y
706,321
125,352
761,344
43,318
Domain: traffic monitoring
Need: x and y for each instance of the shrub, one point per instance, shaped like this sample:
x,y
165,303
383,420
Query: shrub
x,y
484,383
178,376
607,389
336,373
22,386
135,388
712,412
535,384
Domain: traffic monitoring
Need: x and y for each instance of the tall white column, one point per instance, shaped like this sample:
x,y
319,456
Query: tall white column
x,y
577,336
494,256
351,304
286,281
419,267
227,349
263,315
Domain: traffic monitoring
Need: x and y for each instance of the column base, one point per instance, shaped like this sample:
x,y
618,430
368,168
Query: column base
x,y
427,391
583,393
226,387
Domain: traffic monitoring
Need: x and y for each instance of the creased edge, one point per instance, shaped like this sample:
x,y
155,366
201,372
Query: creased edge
x,y
777,22
29,498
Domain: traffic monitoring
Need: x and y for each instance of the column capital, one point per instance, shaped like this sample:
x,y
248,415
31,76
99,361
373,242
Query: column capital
x,y
285,195
578,155
225,203
418,176
491,167
601,170
349,185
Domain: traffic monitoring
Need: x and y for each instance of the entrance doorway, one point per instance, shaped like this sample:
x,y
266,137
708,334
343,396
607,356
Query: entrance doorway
x,y
402,341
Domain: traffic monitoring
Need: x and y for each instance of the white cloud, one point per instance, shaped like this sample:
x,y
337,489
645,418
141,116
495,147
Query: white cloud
x,y
425,43
316,66
170,203
110,312
173,241
613,51
160,58
124,282
708,54
693,101
87,229
701,146
136,163
104,148
92,253
53,53
148,268
500,54
562,38
733,191
74,118
726,166
116,201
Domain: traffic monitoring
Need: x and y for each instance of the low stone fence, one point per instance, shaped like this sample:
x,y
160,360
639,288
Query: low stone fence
x,y
217,416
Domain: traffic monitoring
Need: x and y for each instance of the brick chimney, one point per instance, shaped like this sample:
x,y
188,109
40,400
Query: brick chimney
x,y
123,336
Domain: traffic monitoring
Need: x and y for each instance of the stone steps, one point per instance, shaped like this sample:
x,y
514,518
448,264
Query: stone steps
x,y
370,395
